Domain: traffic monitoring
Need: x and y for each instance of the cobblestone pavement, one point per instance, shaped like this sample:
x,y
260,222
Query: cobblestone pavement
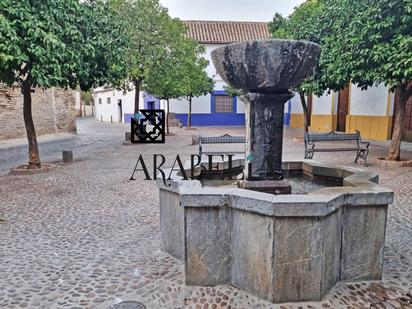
x,y
84,236
90,135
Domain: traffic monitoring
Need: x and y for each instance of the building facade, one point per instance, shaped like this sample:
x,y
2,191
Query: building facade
x,y
369,111
214,109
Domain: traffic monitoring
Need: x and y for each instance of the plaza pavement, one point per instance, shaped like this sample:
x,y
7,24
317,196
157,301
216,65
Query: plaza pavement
x,y
84,236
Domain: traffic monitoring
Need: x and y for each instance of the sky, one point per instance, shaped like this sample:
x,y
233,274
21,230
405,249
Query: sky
x,y
239,10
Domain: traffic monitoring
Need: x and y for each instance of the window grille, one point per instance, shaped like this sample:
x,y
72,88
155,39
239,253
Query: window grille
x,y
223,104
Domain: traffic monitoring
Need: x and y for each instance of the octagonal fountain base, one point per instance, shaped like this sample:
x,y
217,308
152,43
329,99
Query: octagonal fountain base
x,y
282,248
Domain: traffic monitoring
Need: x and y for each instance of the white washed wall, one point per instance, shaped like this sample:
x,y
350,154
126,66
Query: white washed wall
x,y
322,105
371,102
296,106
106,111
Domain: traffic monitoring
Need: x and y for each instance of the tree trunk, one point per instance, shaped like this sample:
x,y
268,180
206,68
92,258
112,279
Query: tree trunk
x,y
167,116
306,115
137,84
34,155
189,115
399,120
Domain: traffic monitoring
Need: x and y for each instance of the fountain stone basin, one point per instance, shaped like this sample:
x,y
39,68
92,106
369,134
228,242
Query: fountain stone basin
x,y
282,248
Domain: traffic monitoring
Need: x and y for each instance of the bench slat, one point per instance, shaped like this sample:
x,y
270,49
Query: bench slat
x,y
335,149
222,140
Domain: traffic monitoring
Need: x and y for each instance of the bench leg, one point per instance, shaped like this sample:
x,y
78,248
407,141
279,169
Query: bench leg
x,y
362,154
309,155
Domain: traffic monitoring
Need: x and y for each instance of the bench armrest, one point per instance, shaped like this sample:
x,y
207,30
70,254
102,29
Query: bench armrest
x,y
366,144
361,142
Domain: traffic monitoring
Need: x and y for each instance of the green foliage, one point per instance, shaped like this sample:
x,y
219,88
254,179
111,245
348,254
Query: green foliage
x,y
86,97
371,41
64,43
277,24
150,30
165,80
366,42
305,24
195,80
181,72
233,92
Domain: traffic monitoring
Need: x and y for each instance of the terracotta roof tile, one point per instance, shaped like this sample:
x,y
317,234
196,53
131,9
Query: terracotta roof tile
x,y
223,32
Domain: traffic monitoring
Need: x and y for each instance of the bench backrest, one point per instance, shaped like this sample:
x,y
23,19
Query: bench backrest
x,y
224,139
332,136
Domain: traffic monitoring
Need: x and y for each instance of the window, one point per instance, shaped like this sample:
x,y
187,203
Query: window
x,y
109,100
223,104
100,100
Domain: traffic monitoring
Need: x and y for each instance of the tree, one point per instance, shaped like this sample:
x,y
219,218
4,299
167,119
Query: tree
x,y
166,82
304,24
195,80
364,42
182,70
371,43
56,43
148,33
277,25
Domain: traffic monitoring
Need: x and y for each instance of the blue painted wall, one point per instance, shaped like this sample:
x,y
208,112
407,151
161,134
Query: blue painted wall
x,y
212,119
215,119
286,118
127,118
148,98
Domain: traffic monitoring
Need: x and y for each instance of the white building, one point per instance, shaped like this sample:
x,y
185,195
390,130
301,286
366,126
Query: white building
x,y
213,109
369,111
348,110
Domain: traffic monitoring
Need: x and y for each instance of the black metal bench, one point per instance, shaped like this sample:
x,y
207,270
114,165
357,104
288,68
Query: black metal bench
x,y
224,139
361,148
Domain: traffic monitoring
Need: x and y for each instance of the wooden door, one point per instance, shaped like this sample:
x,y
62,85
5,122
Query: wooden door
x,y
408,122
309,104
343,108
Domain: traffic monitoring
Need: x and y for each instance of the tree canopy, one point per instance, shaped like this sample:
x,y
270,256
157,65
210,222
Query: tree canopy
x,y
150,31
166,79
62,43
182,70
365,42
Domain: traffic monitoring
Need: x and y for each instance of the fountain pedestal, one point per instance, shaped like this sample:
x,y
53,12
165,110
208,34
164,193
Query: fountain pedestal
x,y
264,142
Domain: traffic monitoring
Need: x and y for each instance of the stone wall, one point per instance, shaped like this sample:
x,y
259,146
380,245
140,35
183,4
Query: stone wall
x,y
53,112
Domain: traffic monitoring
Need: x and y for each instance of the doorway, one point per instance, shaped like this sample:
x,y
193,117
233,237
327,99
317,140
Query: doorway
x,y
343,108
407,137
408,122
120,110
151,105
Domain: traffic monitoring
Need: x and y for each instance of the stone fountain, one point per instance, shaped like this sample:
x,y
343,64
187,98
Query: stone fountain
x,y
255,234
265,70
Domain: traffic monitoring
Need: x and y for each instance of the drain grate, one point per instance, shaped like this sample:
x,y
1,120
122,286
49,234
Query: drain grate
x,y
128,305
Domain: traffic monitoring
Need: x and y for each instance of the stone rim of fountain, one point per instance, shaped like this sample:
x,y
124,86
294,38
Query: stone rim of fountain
x,y
359,187
282,248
